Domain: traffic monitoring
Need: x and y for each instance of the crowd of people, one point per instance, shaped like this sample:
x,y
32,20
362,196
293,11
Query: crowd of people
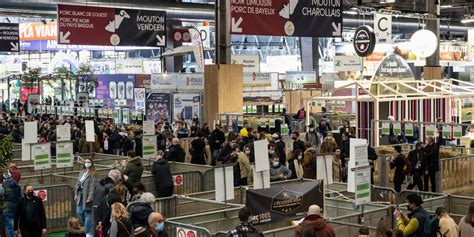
x,y
124,206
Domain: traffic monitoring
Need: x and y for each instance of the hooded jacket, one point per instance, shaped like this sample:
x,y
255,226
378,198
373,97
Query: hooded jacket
x,y
139,213
102,188
161,171
134,170
321,228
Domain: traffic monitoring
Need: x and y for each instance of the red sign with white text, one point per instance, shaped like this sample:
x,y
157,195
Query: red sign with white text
x,y
84,25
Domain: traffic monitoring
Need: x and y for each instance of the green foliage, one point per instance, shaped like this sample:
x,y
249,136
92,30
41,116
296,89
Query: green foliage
x,y
30,77
6,152
86,81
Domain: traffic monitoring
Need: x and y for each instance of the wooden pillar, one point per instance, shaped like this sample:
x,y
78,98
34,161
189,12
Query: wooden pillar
x,y
223,90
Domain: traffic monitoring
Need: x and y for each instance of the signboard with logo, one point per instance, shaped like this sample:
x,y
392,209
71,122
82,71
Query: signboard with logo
x,y
115,86
305,18
286,203
9,37
383,28
364,41
166,81
182,232
181,36
297,79
258,79
33,31
110,26
362,191
42,194
178,180
190,81
251,62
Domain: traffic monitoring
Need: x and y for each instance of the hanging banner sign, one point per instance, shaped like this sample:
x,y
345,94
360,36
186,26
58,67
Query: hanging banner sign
x,y
149,147
397,128
190,81
198,49
446,131
430,130
305,18
163,81
409,130
385,128
457,131
257,79
9,37
64,155
110,26
383,28
41,154
364,41
278,204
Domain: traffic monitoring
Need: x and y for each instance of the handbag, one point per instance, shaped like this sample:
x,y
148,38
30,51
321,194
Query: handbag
x,y
126,229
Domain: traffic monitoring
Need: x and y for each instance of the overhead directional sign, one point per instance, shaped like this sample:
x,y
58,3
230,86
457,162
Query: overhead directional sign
x,y
383,28
306,18
9,37
85,25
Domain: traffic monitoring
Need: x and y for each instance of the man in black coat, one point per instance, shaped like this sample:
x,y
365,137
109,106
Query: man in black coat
x,y
416,166
297,143
163,179
114,140
30,215
216,139
431,156
175,152
198,146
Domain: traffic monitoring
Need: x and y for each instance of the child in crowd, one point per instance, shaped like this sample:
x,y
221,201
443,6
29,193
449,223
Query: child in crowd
x,y
74,228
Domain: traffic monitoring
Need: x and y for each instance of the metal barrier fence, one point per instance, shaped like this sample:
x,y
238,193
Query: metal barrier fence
x,y
173,227
59,206
457,173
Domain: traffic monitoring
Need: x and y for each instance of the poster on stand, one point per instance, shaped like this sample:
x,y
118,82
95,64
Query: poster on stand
x,y
63,132
158,107
41,154
149,147
186,106
64,155
140,99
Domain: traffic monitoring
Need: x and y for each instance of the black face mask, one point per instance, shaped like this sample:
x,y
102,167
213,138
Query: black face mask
x,y
409,207
29,194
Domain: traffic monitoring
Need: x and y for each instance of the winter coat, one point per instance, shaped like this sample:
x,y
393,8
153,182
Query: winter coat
x,y
102,188
197,151
121,228
309,172
175,153
139,213
216,139
244,165
134,170
275,172
38,213
448,228
313,138
86,189
466,230
161,171
432,157
321,228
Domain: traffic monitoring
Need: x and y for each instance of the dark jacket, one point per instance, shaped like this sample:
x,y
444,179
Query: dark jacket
x,y
198,155
298,144
134,170
104,211
414,157
39,214
421,215
175,153
398,164
139,213
161,171
216,139
124,227
102,188
321,228
280,150
139,146
114,141
432,157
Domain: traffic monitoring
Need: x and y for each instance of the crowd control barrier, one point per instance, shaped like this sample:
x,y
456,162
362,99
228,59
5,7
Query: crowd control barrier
x,y
59,205
175,229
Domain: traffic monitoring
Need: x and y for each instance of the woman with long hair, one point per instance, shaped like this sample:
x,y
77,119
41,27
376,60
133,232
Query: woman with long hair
x,y
84,195
120,226
466,225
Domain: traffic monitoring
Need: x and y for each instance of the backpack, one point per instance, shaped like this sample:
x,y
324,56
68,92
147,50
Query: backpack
x,y
431,226
249,232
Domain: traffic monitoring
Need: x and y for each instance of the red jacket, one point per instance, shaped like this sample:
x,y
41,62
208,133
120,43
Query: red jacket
x,y
15,173
321,228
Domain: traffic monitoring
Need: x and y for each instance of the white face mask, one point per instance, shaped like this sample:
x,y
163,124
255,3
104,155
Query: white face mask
x,y
247,152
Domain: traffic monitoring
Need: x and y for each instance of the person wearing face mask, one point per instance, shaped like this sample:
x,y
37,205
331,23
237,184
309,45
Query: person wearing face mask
x,y
280,148
278,172
313,137
244,165
271,150
30,215
297,143
295,164
248,150
413,223
84,196
156,225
